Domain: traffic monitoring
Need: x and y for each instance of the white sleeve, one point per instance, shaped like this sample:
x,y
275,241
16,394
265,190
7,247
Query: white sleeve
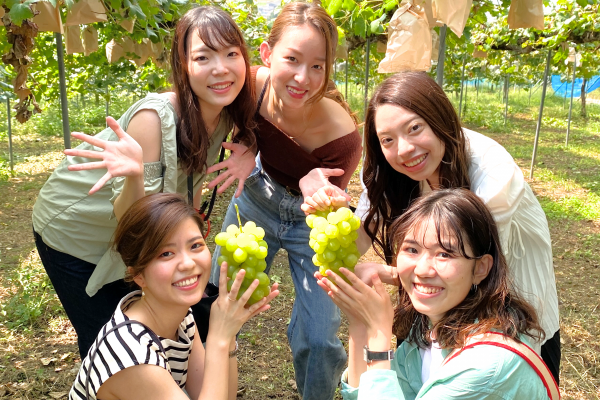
x,y
497,180
362,208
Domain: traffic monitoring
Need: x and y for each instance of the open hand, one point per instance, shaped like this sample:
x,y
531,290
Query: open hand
x,y
317,178
121,158
371,307
239,165
228,313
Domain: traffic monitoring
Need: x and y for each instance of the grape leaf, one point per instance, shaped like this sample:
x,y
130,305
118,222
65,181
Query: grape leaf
x,y
20,11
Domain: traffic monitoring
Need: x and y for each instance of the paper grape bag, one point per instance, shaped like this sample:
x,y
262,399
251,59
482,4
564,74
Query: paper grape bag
x,y
127,24
143,51
453,13
48,19
409,41
114,51
90,40
73,39
435,46
526,14
86,12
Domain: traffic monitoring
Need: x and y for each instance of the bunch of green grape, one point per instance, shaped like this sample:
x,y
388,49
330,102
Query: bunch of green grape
x,y
333,238
244,248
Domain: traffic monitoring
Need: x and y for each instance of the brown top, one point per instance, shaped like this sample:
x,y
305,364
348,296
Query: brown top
x,y
286,162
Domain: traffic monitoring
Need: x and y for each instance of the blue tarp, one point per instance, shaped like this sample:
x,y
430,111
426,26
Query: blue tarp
x,y
563,89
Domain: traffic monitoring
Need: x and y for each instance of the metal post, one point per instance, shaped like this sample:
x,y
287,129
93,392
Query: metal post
x,y
539,122
506,105
530,90
571,106
462,84
346,67
441,57
106,103
10,149
464,110
64,105
367,80
477,84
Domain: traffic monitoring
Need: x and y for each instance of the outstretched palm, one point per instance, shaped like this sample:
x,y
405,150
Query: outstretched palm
x,y
121,158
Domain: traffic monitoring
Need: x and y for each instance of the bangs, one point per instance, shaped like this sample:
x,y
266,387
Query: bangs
x,y
448,229
217,33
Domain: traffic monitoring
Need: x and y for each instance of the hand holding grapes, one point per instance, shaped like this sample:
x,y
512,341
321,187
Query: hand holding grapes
x,y
243,249
333,238
371,307
229,311
326,197
121,158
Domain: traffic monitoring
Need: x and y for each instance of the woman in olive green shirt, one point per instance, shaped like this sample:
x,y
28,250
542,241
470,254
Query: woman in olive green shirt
x,y
154,147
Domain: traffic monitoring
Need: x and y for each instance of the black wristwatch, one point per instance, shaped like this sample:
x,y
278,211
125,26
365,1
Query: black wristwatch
x,y
377,355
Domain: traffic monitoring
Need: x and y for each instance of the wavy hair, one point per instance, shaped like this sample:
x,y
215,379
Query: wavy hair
x,y
461,218
391,192
217,30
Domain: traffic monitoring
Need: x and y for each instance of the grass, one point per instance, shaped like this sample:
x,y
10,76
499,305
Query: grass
x,y
566,180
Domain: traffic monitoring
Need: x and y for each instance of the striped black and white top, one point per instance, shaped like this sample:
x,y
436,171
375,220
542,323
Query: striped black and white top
x,y
130,345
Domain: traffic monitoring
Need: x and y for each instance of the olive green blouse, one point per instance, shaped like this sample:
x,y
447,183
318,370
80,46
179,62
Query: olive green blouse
x,y
73,222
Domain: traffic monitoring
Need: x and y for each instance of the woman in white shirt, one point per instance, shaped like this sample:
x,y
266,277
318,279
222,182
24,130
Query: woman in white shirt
x,y
414,143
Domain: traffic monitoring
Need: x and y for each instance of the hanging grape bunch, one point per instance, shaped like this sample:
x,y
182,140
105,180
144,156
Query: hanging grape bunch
x,y
333,238
244,248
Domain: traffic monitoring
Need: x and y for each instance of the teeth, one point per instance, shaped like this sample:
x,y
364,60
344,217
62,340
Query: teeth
x,y
291,89
219,87
428,289
187,282
417,161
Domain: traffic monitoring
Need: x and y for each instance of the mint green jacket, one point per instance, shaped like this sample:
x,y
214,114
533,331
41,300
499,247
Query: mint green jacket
x,y
480,372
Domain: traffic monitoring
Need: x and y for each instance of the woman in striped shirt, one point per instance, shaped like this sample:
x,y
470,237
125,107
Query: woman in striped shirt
x,y
146,350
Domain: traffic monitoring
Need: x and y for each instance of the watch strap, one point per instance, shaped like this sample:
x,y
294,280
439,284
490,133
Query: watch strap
x,y
370,356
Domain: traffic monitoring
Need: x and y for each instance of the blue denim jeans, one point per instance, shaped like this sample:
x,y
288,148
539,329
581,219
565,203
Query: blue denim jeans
x,y
319,357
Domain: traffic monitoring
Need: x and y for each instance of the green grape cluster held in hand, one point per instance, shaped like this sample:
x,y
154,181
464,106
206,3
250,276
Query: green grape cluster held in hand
x,y
333,238
244,248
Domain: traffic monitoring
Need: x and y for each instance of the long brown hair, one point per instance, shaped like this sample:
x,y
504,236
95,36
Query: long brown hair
x,y
312,14
460,216
217,30
391,192
147,225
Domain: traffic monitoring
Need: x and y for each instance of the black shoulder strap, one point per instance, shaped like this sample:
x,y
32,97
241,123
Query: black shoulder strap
x,y
97,343
262,94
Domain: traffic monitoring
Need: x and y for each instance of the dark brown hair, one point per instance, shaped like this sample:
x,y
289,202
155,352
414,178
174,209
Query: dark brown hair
x,y
217,30
391,192
312,14
147,225
461,219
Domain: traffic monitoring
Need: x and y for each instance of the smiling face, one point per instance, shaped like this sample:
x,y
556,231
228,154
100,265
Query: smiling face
x,y
216,77
297,64
435,279
409,144
179,273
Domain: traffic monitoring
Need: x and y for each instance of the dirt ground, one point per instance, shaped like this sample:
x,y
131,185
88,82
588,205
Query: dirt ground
x,y
40,361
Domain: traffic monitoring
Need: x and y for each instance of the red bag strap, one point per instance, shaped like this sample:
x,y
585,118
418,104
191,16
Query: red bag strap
x,y
521,349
